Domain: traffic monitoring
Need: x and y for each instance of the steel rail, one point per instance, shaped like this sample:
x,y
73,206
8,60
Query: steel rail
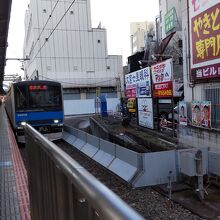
x,y
104,202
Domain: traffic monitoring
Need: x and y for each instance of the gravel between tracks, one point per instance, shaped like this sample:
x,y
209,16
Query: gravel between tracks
x,y
146,201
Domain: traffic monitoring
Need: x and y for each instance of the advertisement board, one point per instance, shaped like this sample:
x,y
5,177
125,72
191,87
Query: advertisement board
x,y
130,91
196,114
182,113
206,114
201,114
145,112
205,39
138,83
162,76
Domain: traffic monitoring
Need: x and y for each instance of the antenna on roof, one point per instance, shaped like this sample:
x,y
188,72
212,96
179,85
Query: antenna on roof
x,y
100,25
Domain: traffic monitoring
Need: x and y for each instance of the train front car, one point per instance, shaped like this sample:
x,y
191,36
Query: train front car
x,y
40,104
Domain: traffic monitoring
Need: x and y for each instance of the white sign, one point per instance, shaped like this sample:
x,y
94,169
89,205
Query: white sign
x,y
145,112
182,113
162,72
141,79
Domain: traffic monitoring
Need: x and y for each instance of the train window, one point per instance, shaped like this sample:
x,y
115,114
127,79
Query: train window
x,y
20,97
49,97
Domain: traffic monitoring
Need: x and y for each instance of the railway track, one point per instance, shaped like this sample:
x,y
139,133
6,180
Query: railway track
x,y
148,202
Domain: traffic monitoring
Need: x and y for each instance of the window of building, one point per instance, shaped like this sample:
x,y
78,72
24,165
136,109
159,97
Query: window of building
x,y
99,41
71,12
213,94
44,11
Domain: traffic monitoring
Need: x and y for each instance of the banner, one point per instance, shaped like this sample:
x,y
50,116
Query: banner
x,y
162,76
206,114
201,114
138,83
196,114
130,91
145,112
205,39
182,113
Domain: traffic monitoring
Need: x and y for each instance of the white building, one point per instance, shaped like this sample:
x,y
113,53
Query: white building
x,y
138,31
63,46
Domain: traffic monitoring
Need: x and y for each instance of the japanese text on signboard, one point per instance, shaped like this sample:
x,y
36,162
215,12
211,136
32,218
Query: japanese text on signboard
x,y
140,75
206,35
205,40
170,20
162,79
139,82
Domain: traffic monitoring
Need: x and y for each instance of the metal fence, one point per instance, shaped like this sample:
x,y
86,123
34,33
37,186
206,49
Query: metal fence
x,y
213,94
215,116
62,189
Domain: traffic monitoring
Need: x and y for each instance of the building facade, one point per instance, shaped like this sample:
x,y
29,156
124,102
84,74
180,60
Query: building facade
x,y
62,45
138,33
201,53
170,21
201,67
170,10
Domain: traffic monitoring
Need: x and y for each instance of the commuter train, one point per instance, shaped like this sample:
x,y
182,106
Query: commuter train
x,y
38,103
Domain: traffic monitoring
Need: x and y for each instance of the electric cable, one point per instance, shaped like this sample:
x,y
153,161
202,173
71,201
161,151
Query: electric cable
x,y
88,84
38,38
47,39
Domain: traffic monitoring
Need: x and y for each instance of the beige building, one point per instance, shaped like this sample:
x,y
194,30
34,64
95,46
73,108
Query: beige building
x,y
138,31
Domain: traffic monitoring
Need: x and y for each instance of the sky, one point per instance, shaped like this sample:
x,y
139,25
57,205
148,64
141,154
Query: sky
x,y
114,15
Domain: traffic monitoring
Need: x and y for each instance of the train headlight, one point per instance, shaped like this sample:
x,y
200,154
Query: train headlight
x,y
23,123
56,121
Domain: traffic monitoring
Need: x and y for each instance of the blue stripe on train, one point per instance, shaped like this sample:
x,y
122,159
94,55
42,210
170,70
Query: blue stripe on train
x,y
35,116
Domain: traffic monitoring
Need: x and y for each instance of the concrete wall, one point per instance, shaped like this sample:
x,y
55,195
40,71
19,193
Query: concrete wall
x,y
198,137
87,106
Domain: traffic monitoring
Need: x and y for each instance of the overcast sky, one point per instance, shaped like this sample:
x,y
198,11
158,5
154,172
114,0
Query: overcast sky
x,y
114,15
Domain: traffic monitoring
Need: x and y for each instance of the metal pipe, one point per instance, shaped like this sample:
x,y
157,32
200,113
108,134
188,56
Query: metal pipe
x,y
108,205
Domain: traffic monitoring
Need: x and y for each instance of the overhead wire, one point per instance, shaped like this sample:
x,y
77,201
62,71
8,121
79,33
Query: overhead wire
x,y
38,38
88,84
47,39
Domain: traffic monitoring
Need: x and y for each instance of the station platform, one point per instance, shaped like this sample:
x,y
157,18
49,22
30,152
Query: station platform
x,y
14,196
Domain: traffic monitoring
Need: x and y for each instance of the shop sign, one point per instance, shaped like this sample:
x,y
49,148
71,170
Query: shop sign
x,y
162,79
205,40
138,83
170,20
